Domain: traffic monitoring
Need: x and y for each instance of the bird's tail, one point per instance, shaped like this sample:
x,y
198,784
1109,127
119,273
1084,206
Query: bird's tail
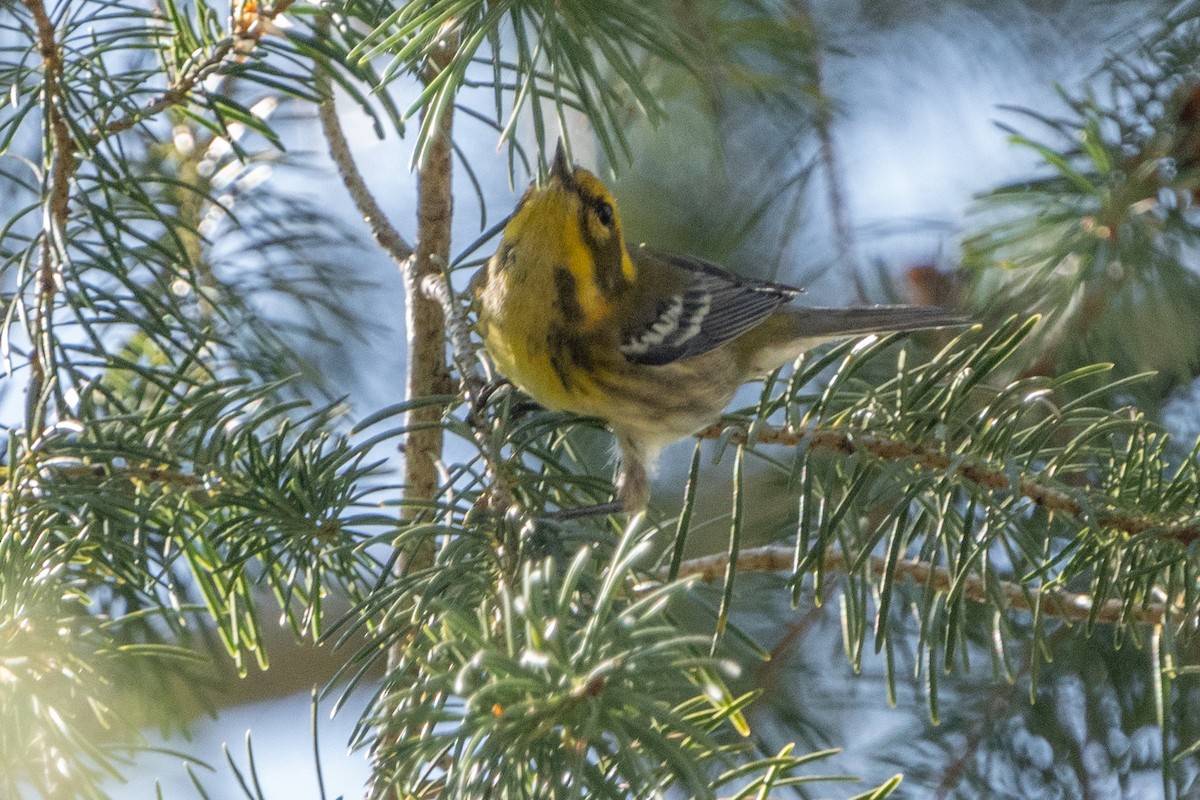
x,y
825,323
792,330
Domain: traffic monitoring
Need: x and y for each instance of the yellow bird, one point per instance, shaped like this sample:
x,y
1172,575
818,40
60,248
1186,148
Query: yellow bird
x,y
653,343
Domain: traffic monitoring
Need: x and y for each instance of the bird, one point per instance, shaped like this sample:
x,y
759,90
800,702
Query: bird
x,y
655,344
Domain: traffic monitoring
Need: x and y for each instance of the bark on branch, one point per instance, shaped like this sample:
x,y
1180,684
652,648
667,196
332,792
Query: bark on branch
x,y
426,324
931,459
1050,602
60,166
251,22
384,233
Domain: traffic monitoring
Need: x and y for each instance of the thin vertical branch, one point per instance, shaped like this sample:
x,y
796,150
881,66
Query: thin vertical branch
x,y
843,235
426,373
384,233
426,366
59,165
426,323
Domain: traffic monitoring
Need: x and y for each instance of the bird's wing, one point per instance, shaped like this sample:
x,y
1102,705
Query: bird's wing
x,y
689,306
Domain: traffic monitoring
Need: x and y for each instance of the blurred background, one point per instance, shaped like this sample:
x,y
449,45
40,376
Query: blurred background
x,y
873,158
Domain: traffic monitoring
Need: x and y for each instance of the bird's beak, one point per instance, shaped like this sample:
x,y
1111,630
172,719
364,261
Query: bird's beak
x,y
560,168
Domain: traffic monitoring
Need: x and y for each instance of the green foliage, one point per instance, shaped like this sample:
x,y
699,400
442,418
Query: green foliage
x,y
1101,245
564,686
64,663
1111,467
568,55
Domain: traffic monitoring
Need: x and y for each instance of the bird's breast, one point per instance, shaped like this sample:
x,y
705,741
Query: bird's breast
x,y
584,372
533,344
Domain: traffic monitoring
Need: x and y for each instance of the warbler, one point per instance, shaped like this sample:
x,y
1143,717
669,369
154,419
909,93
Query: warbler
x,y
655,344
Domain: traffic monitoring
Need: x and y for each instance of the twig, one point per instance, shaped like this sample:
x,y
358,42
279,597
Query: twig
x,y
201,488
1053,602
474,385
160,475
175,94
250,24
426,324
458,329
62,165
997,480
384,233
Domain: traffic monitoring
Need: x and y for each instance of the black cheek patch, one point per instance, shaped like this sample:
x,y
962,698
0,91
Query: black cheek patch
x,y
556,345
566,348
607,251
567,351
566,299
610,275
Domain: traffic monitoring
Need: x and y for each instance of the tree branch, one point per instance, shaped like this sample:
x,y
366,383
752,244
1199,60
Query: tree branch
x,y
58,181
474,385
426,324
339,150
174,95
458,327
251,24
933,460
1049,602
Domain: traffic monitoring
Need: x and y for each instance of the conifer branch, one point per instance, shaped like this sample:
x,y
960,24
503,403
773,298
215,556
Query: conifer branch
x,y
143,474
58,180
382,230
994,479
1058,603
458,330
175,94
250,25
422,446
425,322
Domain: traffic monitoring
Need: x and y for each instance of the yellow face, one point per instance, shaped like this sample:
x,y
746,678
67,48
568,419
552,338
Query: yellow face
x,y
547,298
570,223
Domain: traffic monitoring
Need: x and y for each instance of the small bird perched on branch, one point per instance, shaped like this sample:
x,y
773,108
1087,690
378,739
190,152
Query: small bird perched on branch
x,y
653,343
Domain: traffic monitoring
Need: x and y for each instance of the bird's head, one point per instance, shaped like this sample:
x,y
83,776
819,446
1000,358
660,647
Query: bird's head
x,y
568,222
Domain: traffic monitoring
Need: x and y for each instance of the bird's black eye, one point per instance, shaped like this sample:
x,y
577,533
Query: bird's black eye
x,y
604,213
